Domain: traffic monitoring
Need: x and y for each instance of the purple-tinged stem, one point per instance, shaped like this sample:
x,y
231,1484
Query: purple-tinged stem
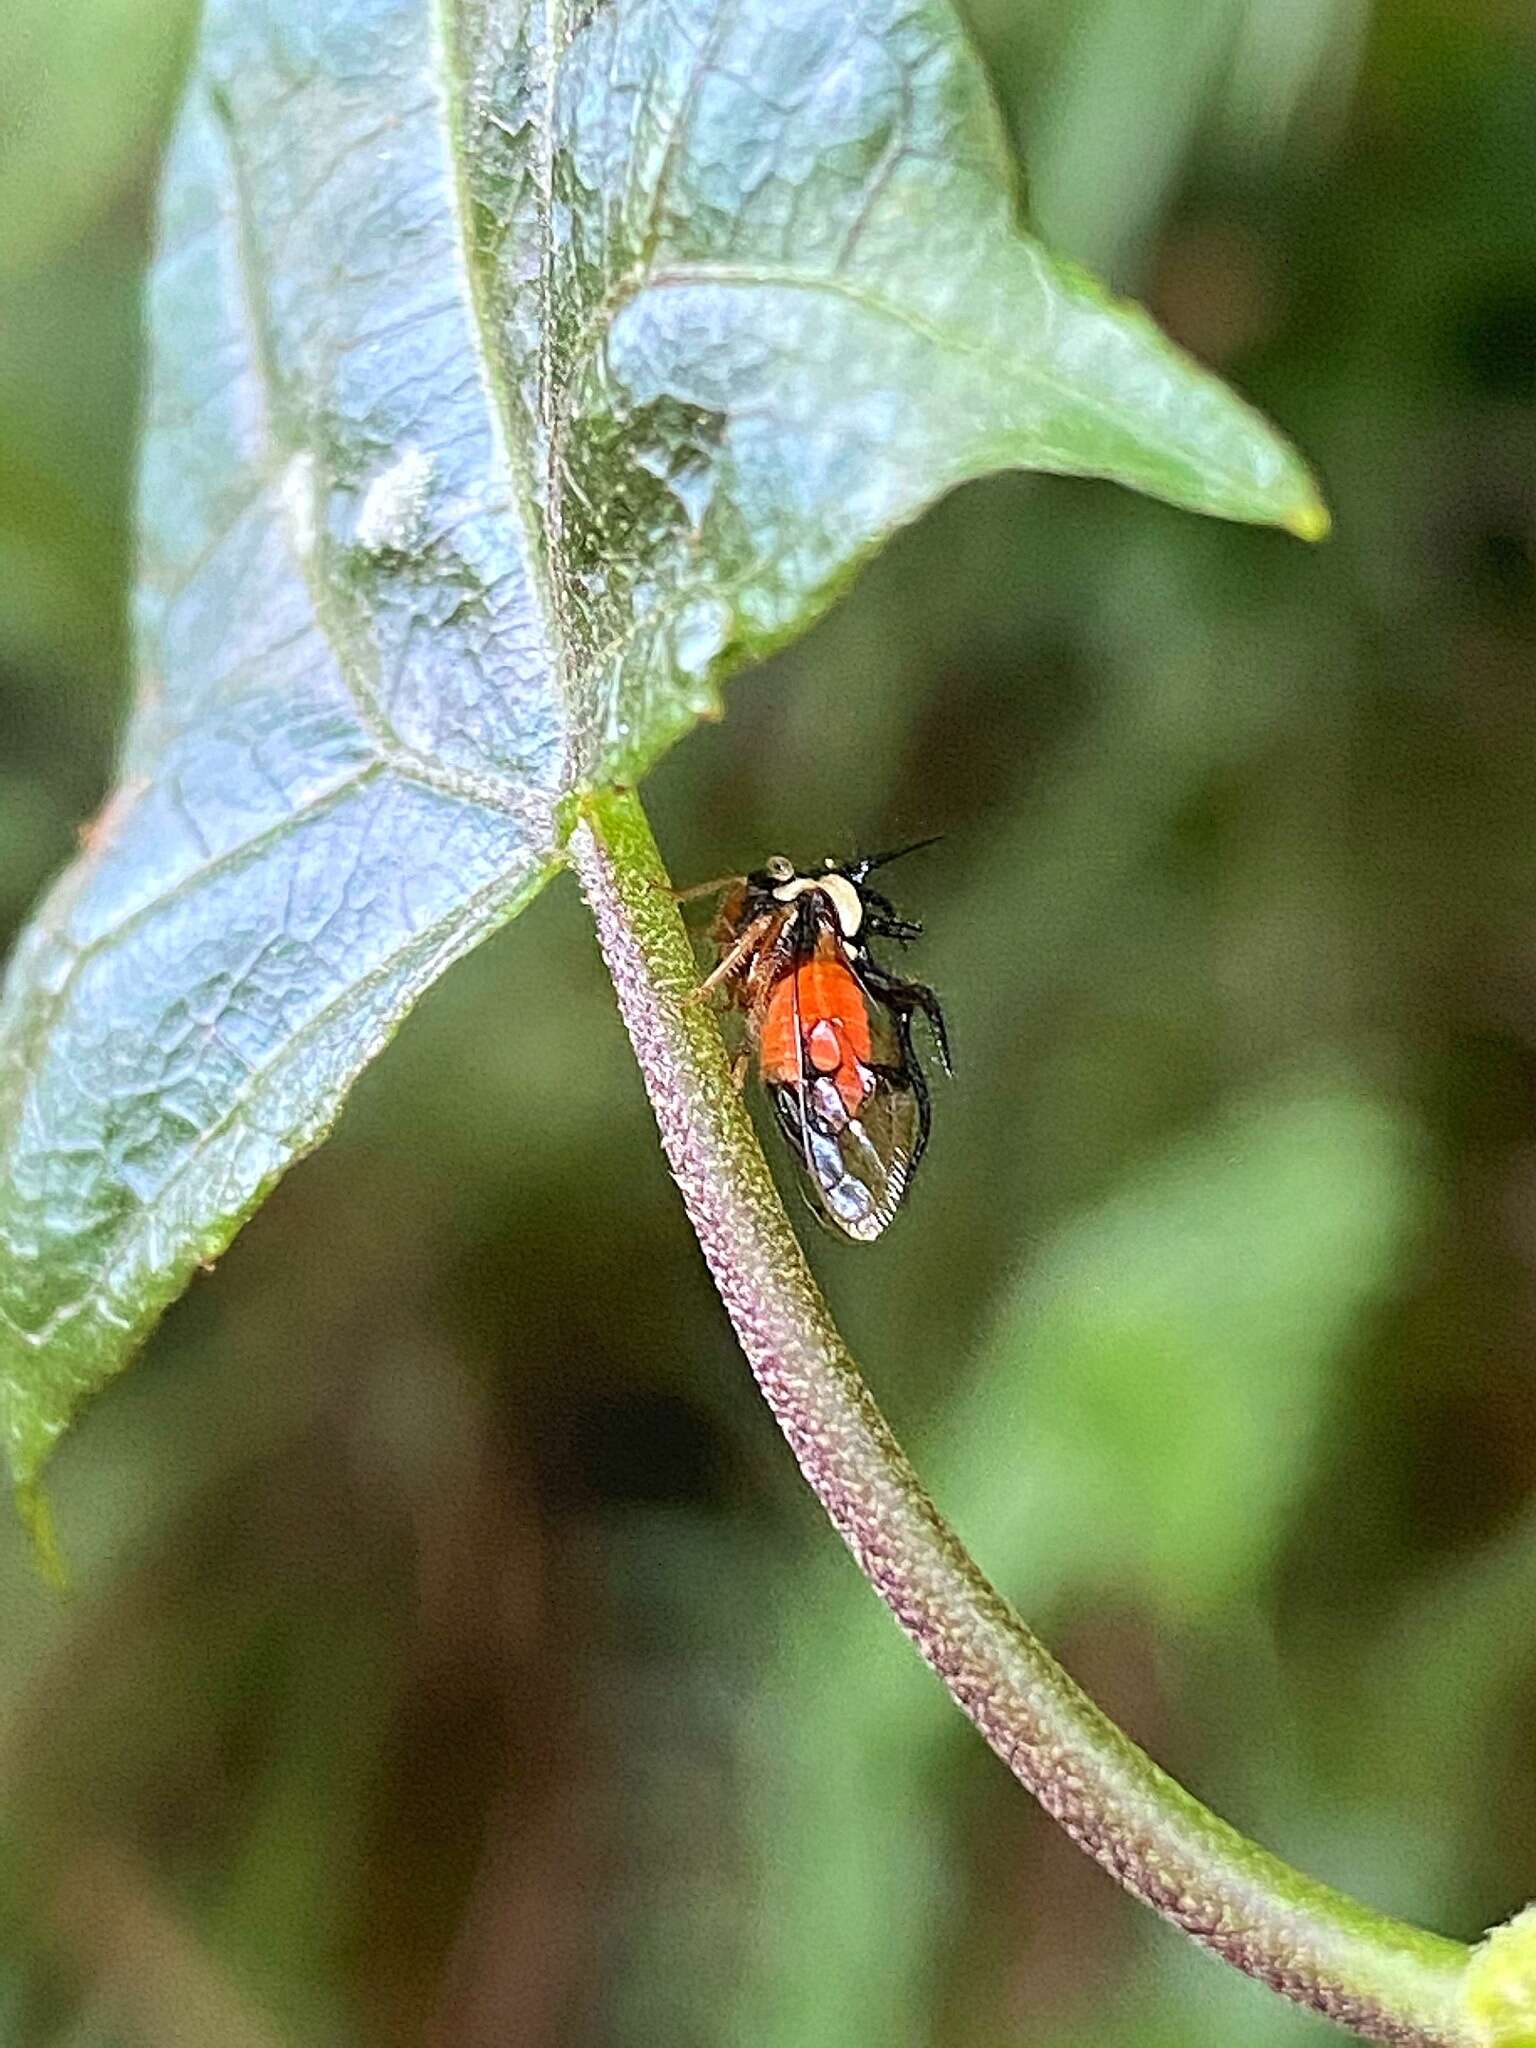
x,y
1382,1978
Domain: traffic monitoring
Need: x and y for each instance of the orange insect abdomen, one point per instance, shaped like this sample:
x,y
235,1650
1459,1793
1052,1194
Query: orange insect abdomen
x,y
833,1027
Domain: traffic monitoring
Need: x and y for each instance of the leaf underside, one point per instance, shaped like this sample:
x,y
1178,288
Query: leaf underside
x,y
516,374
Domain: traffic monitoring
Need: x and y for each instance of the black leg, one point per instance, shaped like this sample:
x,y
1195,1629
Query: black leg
x,y
904,997
902,929
919,1081
928,1003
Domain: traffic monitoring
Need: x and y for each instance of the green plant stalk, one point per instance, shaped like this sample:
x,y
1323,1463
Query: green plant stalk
x,y
1382,1978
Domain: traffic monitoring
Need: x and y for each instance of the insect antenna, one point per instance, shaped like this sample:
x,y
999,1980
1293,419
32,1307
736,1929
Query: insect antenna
x,y
870,861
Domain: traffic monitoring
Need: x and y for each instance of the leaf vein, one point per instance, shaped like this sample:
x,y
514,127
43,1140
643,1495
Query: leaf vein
x,y
455,926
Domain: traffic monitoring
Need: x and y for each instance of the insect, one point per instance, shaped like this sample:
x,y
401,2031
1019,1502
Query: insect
x,y
832,1028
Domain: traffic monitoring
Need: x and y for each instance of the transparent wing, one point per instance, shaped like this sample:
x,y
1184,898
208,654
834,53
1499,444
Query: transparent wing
x,y
854,1168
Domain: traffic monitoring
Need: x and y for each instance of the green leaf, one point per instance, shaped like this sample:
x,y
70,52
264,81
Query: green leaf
x,y
516,374
1180,1348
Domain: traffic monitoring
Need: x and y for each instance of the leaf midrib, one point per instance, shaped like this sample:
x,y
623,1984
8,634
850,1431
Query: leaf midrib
x,y
538,534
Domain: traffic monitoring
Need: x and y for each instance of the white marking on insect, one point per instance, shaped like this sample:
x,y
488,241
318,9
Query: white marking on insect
x,y
840,892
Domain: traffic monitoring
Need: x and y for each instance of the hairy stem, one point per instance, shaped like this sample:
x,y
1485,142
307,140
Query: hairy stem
x,y
1382,1978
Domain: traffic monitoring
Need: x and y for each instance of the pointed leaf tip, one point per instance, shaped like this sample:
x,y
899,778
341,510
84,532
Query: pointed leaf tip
x,y
1311,520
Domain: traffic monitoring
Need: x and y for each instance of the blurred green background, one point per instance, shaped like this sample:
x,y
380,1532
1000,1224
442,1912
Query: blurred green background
x,y
454,1655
